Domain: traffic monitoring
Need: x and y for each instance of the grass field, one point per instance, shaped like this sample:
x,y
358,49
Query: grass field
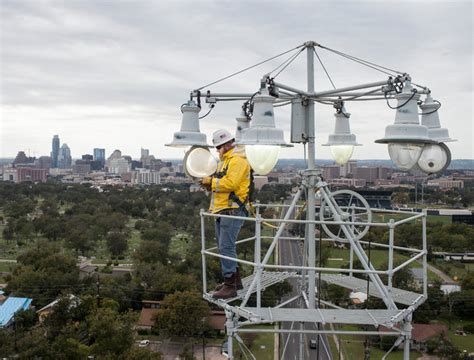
x,y
340,257
385,218
353,347
461,342
262,346
179,245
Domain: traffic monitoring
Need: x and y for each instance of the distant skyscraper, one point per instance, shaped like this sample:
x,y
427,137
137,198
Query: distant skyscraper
x,y
117,154
21,158
55,151
99,155
146,159
44,162
64,158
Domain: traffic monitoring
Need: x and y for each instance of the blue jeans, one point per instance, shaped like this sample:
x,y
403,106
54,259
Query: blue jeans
x,y
227,231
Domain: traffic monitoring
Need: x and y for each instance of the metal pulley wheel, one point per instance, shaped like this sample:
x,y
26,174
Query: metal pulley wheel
x,y
353,208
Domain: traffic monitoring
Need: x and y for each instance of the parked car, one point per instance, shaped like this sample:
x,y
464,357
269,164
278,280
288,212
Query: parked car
x,y
144,343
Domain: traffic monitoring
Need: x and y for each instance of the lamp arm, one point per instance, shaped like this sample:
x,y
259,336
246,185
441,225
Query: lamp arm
x,y
291,89
342,91
207,94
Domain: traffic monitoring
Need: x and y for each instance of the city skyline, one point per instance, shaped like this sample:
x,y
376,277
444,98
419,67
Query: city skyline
x,y
115,77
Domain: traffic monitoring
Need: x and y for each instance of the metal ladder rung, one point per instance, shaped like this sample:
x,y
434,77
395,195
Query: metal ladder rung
x,y
267,279
355,284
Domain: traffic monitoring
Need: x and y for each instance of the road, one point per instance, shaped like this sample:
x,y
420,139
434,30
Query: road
x,y
291,253
446,278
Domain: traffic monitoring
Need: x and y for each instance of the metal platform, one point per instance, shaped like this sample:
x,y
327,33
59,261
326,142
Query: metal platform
x,y
268,278
324,316
355,284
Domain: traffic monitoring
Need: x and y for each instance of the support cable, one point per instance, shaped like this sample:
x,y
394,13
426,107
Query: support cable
x,y
289,61
324,68
248,68
363,62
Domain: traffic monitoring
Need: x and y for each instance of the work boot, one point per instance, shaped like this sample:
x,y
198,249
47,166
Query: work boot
x,y
228,290
238,282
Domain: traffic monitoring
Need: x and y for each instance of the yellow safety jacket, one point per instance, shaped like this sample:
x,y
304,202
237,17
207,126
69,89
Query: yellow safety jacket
x,y
232,176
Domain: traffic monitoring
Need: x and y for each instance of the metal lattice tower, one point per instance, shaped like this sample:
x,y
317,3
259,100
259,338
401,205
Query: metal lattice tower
x,y
343,206
345,217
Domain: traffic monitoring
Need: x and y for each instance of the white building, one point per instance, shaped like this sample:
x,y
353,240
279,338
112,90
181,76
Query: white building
x,y
145,177
10,174
119,166
446,183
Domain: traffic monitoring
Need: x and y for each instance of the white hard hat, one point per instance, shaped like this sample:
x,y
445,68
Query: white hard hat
x,y
221,137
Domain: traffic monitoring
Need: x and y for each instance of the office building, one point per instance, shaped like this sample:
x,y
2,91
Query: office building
x,y
331,172
349,168
117,154
145,177
64,158
368,173
22,159
99,155
44,162
146,159
446,183
24,174
55,151
119,166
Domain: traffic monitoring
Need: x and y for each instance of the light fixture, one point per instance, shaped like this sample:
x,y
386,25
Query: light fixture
x,y
342,142
190,134
406,137
435,157
262,158
262,139
242,124
199,162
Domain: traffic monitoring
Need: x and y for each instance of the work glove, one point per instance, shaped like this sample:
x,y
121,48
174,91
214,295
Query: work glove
x,y
206,181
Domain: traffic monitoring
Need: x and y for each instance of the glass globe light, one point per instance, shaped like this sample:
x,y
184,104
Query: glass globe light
x,y
405,155
342,141
199,162
434,158
262,158
341,153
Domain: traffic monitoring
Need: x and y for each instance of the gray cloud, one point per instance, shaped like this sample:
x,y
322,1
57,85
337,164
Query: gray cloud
x,y
114,73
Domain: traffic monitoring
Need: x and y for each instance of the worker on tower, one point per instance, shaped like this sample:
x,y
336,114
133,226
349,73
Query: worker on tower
x,y
229,188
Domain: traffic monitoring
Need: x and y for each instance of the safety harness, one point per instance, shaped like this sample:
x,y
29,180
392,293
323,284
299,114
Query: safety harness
x,y
233,196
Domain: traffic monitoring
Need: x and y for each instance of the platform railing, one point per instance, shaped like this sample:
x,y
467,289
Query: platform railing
x,y
260,265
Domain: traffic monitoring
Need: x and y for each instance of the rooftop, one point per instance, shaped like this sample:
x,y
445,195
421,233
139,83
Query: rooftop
x,y
10,307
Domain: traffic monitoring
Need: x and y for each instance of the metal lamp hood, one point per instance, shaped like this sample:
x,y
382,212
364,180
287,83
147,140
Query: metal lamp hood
x,y
262,130
435,157
190,134
407,128
342,132
430,119
242,124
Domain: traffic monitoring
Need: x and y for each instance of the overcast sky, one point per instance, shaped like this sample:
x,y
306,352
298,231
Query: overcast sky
x,y
113,74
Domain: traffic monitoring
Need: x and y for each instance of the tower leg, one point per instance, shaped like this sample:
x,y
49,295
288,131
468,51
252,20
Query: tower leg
x,y
406,327
230,333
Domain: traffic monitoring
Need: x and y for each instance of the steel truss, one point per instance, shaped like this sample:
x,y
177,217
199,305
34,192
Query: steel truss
x,y
347,218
